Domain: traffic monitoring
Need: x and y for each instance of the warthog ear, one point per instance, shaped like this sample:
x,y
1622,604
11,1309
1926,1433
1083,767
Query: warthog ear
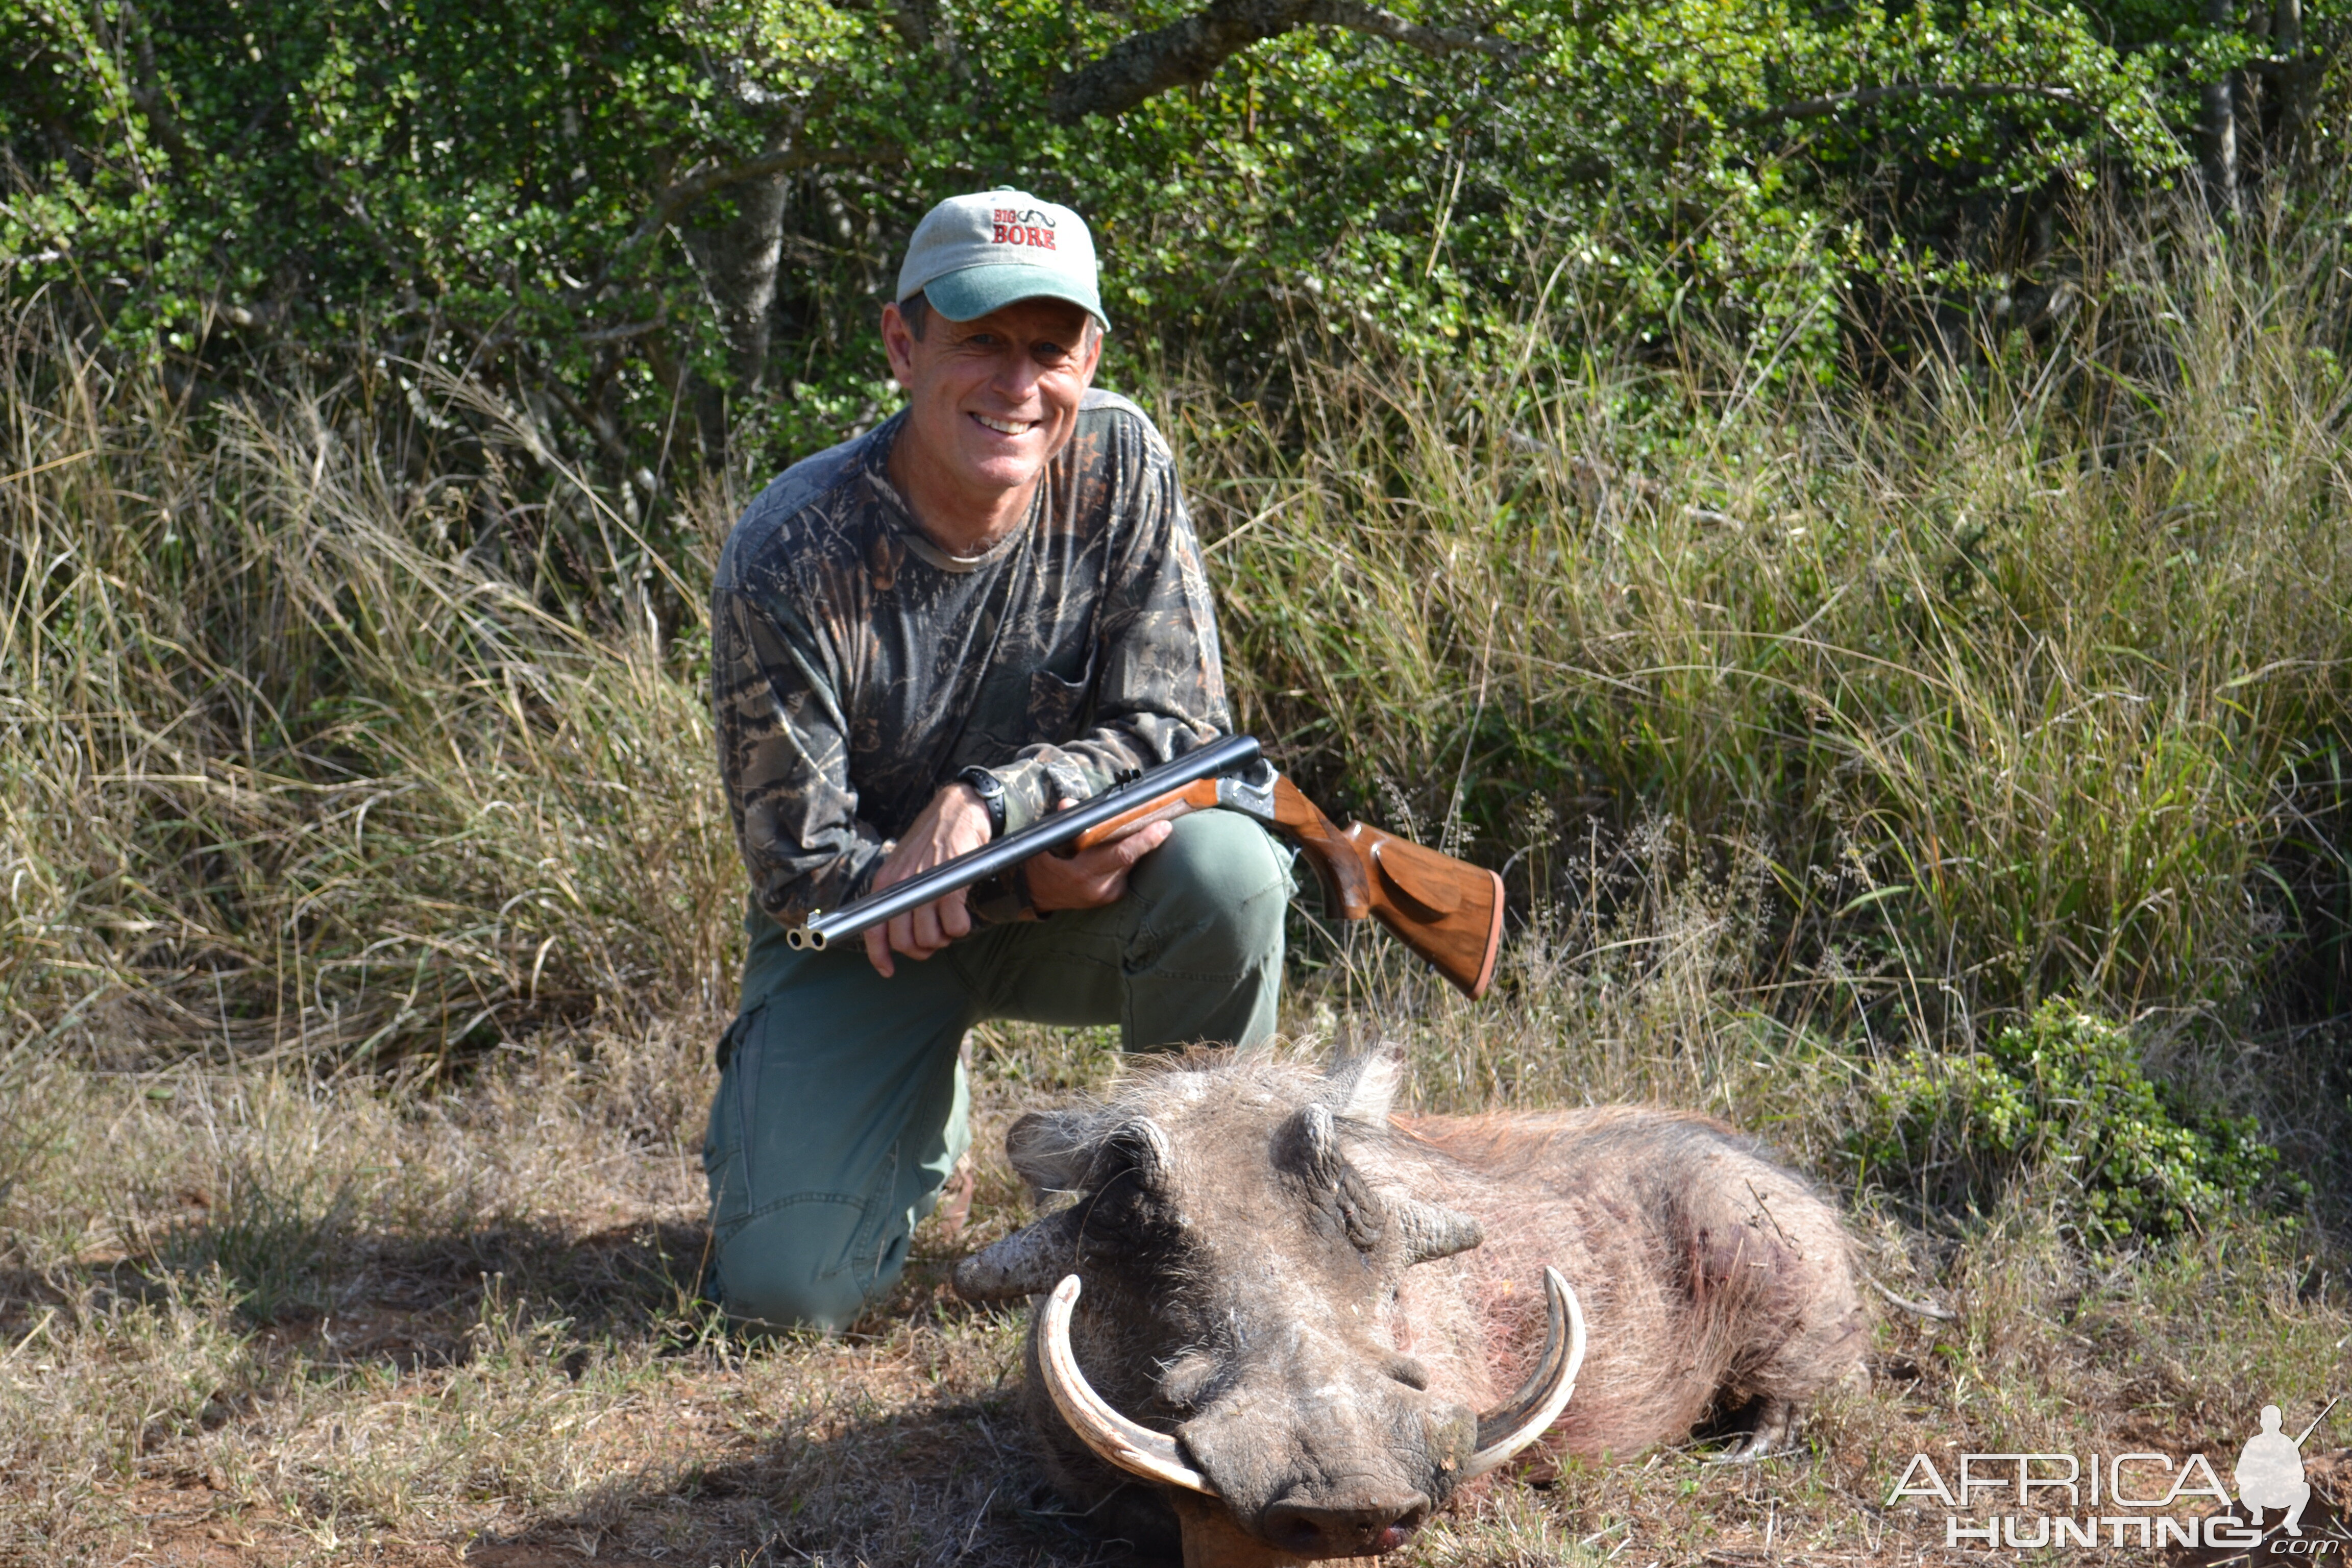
x,y
1426,1232
1071,1150
1053,1149
1029,1262
1363,1087
1137,1144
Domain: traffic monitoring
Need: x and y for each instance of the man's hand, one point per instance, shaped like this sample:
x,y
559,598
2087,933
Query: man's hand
x,y
1091,878
954,823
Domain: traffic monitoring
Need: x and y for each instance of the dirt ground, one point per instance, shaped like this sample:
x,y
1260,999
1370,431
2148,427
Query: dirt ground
x,y
255,1318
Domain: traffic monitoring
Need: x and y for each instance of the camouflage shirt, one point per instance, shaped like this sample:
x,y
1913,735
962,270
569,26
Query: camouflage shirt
x,y
856,666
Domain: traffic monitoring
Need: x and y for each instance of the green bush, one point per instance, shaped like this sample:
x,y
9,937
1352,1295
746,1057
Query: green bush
x,y
2063,1099
667,226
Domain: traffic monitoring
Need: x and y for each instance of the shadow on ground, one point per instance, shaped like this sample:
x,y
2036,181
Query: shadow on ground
x,y
934,1483
413,1299
901,1443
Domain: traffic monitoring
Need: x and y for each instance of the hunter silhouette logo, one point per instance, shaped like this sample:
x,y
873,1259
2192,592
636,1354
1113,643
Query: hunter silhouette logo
x,y
2270,1470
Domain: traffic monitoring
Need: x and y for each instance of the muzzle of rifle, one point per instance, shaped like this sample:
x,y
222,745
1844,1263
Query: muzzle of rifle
x,y
800,938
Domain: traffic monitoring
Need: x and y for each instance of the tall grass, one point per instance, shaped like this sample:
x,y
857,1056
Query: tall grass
x,y
344,723
2018,674
284,767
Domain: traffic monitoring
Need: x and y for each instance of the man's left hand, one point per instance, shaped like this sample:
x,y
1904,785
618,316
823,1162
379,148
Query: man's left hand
x,y
1091,878
955,823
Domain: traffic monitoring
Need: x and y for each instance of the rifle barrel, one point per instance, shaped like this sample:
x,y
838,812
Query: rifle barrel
x,y
1230,754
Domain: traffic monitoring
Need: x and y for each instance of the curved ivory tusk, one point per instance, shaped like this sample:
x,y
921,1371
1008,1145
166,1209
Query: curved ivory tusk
x,y
1120,1441
1536,1405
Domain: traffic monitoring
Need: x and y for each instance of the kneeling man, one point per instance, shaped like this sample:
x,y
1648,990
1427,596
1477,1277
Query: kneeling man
x,y
922,639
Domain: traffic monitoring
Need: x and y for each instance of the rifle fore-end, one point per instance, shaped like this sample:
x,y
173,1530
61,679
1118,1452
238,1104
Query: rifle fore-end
x,y
1199,796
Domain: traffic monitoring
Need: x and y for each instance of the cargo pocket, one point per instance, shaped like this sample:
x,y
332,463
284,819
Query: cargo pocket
x,y
726,1143
868,1247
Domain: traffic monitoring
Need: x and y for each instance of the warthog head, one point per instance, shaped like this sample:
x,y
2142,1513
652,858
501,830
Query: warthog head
x,y
1227,1300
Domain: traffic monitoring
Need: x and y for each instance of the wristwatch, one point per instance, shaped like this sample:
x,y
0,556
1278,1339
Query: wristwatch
x,y
991,790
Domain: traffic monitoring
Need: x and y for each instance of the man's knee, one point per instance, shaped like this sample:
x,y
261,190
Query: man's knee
x,y
1220,881
800,1268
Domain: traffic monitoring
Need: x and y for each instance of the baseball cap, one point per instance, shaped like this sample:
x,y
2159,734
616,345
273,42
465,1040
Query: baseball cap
x,y
974,254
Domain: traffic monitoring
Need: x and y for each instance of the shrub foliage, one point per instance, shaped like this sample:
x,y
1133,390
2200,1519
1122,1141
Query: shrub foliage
x,y
666,224
2061,1100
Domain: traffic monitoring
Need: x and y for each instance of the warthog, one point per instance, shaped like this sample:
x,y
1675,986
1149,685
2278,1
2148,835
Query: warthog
x,y
1284,1309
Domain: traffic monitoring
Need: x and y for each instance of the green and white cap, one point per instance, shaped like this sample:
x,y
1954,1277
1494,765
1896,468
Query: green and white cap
x,y
974,254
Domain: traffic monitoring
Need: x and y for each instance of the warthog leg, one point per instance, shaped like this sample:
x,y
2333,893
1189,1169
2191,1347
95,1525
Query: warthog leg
x,y
1776,1422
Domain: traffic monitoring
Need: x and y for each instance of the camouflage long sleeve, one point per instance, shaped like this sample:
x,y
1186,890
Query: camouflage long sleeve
x,y
856,667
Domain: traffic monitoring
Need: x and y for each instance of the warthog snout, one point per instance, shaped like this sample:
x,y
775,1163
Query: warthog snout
x,y
1342,1530
1326,1443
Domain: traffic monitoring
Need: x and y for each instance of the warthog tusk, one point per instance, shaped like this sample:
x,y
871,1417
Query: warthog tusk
x,y
1538,1403
1025,1263
1120,1441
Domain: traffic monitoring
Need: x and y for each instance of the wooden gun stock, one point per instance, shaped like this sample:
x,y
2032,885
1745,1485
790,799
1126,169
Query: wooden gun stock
x,y
1448,911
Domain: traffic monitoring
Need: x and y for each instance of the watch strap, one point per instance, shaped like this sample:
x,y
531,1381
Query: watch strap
x,y
991,790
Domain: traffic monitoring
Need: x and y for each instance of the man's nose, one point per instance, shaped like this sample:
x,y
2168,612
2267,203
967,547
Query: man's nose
x,y
1018,373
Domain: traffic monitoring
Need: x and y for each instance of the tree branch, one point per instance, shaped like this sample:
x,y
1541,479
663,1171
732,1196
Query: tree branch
x,y
147,91
711,177
1177,55
1864,97
1187,52
1357,17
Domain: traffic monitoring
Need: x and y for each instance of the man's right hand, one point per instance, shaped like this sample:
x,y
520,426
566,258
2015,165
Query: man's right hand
x,y
954,823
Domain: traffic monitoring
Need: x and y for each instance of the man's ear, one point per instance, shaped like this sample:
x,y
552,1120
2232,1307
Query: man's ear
x,y
1093,351
899,343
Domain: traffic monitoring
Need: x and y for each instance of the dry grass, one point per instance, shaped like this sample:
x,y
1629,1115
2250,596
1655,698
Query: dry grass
x,y
2015,679
288,767
259,1317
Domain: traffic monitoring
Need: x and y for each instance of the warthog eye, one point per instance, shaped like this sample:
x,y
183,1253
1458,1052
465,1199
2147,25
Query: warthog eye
x,y
1125,1219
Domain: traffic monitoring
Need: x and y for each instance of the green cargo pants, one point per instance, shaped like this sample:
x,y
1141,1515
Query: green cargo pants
x,y
842,1106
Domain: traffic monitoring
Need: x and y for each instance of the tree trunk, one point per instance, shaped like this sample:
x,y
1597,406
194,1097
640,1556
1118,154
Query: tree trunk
x,y
2218,127
738,259
2286,44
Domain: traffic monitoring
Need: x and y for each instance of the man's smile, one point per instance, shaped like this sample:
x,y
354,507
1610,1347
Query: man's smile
x,y
1007,427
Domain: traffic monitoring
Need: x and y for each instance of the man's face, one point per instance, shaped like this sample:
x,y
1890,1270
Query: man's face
x,y
989,402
